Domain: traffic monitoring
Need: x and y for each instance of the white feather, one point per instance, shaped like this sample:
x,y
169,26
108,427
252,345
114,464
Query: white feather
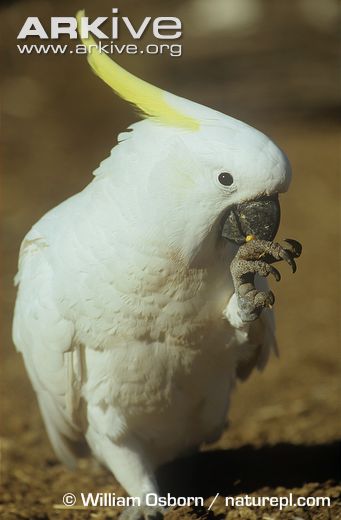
x,y
122,289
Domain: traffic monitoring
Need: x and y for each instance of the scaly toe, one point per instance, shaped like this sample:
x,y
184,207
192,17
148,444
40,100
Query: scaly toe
x,y
263,299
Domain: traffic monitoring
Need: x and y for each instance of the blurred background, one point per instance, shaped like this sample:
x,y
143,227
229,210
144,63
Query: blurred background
x,y
272,64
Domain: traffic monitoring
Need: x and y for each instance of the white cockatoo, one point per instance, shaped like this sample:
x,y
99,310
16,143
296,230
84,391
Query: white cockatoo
x,y
136,309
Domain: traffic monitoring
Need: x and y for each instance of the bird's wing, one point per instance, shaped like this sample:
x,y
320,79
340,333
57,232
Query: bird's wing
x,y
255,347
45,339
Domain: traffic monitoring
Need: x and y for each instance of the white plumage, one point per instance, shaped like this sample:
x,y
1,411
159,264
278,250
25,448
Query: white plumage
x,y
124,313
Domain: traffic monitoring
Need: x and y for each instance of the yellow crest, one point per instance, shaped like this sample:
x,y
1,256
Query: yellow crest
x,y
148,98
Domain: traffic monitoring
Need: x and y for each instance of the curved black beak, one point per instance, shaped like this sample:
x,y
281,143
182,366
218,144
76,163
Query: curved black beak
x,y
259,218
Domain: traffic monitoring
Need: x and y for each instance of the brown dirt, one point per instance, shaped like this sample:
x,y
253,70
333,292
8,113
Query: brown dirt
x,y
60,122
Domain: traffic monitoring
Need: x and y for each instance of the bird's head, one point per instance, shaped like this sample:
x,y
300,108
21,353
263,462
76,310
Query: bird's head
x,y
201,173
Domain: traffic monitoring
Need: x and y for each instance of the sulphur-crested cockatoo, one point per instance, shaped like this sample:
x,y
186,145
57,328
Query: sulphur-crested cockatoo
x,y
137,309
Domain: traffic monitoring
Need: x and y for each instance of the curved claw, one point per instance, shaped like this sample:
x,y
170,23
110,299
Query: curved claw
x,y
295,245
288,258
276,274
271,299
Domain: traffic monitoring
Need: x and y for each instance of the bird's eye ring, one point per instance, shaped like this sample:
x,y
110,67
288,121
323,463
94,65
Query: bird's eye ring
x,y
225,179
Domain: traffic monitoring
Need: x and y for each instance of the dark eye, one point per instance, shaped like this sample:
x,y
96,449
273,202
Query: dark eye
x,y
225,179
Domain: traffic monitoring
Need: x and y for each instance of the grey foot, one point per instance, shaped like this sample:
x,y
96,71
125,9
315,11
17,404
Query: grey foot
x,y
143,512
255,257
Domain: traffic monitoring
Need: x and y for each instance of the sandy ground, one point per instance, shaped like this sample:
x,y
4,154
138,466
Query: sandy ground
x,y
60,122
